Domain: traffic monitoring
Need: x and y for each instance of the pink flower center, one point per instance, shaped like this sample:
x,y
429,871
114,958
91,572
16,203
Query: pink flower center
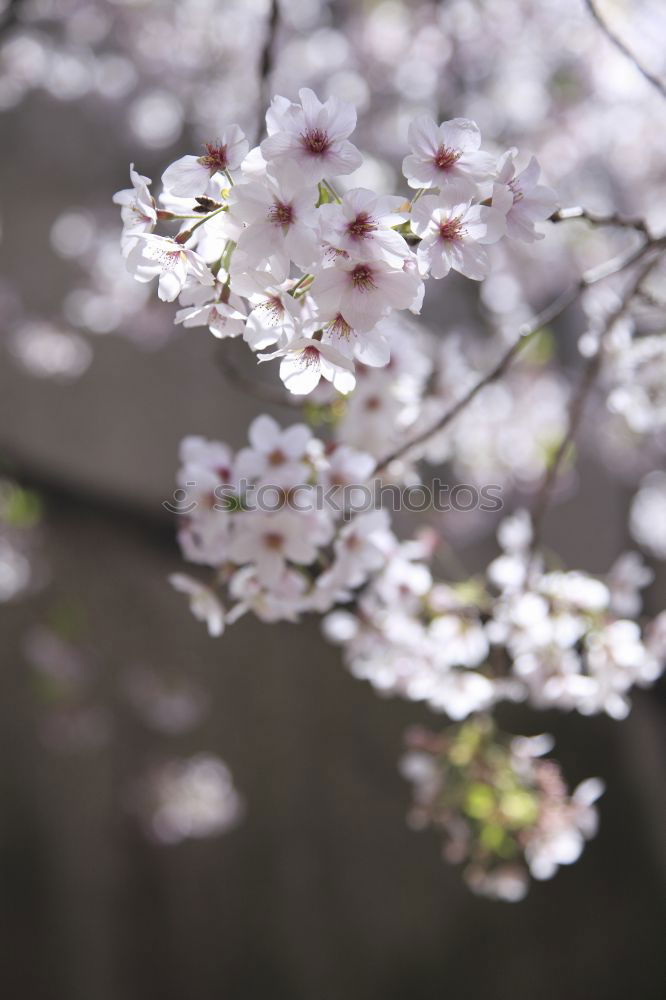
x,y
444,158
315,141
451,229
362,278
340,327
310,357
361,227
273,541
277,457
281,214
273,308
215,157
515,191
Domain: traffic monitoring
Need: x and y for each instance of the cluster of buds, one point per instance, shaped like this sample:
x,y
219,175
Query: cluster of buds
x,y
505,813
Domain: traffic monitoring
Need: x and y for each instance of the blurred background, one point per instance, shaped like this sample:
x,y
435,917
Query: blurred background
x,y
189,817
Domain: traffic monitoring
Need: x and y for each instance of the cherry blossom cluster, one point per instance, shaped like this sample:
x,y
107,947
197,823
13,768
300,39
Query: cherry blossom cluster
x,y
268,250
505,813
272,520
556,639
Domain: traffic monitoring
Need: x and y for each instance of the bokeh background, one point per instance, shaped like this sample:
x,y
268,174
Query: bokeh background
x,y
134,865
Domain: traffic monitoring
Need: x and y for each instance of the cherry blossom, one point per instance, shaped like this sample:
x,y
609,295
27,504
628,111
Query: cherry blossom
x,y
363,292
275,456
452,233
311,136
189,176
362,226
445,154
306,360
521,199
155,256
277,223
137,209
204,603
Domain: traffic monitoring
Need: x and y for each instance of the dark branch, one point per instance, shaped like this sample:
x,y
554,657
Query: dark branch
x,y
267,61
551,312
579,400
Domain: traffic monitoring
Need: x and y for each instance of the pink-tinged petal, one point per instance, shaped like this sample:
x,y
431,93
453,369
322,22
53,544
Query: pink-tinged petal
x,y
301,245
257,336
392,244
198,268
327,289
250,201
259,241
422,213
423,137
358,201
439,260
341,119
342,159
343,382
419,173
528,178
312,106
472,260
373,349
506,167
237,145
335,357
491,226
279,145
274,116
399,288
363,309
186,178
459,133
169,286
300,375
479,166
541,200
295,440
263,433
249,464
518,227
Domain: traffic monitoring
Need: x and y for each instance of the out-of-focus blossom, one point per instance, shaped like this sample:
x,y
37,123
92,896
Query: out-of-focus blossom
x,y
188,798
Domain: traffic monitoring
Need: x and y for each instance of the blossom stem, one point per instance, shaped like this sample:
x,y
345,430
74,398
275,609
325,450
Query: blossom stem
x,y
614,219
331,190
300,283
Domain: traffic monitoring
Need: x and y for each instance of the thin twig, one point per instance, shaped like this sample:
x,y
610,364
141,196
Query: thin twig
x,y
614,219
267,61
526,332
624,49
579,400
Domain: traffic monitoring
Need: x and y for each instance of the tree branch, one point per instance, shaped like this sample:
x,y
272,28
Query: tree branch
x,y
579,400
267,60
614,219
658,84
547,315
